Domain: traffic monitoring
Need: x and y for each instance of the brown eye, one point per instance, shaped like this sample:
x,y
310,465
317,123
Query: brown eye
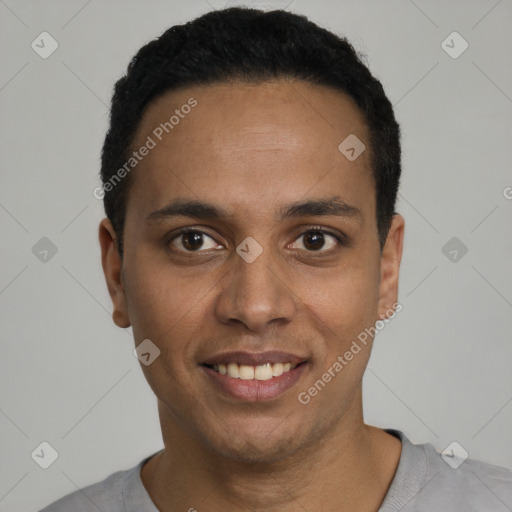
x,y
314,240
192,240
317,239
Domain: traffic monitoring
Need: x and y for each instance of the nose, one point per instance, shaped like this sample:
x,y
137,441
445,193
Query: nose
x,y
256,294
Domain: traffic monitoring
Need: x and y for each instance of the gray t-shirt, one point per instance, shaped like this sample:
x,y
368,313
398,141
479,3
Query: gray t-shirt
x,y
423,482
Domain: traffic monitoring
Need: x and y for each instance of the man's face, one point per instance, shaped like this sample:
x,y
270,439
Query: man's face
x,y
252,152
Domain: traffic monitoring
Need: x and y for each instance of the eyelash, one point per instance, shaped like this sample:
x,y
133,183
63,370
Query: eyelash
x,y
340,239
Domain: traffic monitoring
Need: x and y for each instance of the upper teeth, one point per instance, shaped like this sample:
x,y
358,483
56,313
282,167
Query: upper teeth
x,y
245,372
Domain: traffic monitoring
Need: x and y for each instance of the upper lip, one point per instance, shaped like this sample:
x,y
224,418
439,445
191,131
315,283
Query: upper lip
x,y
255,359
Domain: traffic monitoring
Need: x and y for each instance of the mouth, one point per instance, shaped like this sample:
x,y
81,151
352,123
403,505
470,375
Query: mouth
x,y
265,371
254,377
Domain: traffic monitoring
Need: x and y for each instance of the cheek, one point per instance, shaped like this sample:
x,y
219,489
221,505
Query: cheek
x,y
160,299
343,300
166,309
343,309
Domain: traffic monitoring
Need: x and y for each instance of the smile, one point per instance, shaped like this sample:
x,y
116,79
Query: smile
x,y
254,377
246,372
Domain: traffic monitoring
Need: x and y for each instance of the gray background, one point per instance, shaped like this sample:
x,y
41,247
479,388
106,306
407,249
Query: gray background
x,y
440,371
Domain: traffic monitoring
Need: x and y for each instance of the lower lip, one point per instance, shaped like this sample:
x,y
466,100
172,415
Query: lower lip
x,y
255,390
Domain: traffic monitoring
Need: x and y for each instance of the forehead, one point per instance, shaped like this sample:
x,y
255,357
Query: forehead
x,y
239,140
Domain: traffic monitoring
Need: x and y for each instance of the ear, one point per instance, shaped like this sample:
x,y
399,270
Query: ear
x,y
390,267
112,266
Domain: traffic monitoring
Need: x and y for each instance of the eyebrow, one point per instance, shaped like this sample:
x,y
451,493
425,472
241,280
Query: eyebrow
x,y
206,211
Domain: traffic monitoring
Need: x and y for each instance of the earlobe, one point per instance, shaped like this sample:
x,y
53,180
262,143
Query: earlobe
x,y
112,269
390,267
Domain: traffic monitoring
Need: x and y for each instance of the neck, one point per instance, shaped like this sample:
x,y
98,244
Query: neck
x,y
348,469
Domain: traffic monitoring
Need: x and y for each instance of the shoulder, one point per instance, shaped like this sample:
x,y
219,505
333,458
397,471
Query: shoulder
x,y
105,495
122,491
482,485
430,480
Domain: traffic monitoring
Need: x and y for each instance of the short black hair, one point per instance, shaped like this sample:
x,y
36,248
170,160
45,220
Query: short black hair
x,y
249,45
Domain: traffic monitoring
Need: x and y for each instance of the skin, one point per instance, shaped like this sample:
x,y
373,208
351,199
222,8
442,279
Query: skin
x,y
251,149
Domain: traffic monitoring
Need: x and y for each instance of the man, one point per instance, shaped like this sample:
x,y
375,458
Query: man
x,y
250,174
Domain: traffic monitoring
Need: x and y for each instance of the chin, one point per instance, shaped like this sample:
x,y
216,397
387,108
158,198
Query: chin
x,y
257,446
251,452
